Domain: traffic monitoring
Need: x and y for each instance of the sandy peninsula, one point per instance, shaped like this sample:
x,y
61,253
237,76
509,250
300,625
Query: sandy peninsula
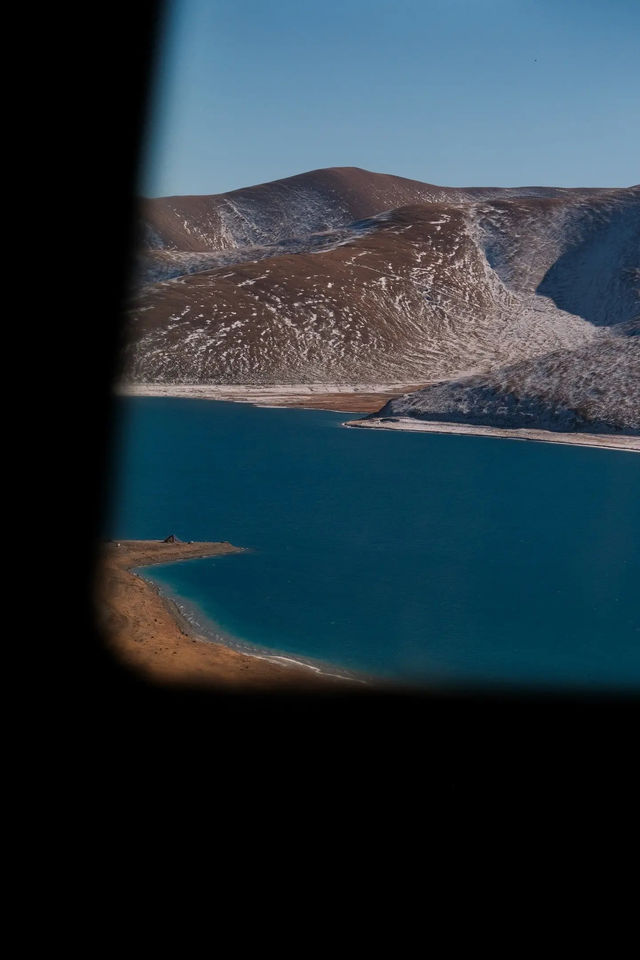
x,y
609,441
146,631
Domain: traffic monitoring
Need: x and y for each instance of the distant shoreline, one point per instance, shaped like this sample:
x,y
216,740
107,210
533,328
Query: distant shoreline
x,y
605,440
146,631
342,398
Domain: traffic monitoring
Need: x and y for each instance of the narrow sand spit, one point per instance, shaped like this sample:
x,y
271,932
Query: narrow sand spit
x,y
610,441
147,632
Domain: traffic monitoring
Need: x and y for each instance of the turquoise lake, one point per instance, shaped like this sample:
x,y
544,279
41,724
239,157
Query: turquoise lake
x,y
429,559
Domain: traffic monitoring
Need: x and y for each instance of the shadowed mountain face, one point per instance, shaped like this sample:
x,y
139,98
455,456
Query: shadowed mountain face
x,y
345,276
581,255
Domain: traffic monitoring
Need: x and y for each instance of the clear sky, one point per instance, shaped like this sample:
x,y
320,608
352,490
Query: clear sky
x,y
453,92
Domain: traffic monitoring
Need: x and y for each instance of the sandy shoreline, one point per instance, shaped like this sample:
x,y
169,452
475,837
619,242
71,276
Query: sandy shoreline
x,y
351,398
146,631
609,441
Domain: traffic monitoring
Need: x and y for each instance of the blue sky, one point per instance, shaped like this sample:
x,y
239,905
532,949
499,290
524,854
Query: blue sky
x,y
454,92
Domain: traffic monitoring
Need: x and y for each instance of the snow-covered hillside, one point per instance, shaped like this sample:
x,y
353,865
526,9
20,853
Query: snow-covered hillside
x,y
593,389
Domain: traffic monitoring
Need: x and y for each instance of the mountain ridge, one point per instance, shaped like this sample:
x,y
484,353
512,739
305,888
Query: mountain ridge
x,y
331,196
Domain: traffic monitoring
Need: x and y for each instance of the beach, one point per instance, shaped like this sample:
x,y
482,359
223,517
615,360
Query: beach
x,y
606,440
352,398
146,632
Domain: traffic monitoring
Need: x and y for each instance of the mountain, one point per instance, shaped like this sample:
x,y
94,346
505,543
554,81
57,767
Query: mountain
x,y
344,276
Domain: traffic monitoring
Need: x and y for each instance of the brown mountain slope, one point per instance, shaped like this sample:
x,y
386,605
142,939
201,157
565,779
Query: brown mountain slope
x,y
411,298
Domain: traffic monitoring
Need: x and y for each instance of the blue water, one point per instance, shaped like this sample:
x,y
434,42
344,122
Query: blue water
x,y
426,558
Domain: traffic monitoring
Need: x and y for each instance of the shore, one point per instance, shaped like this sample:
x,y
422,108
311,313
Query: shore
x,y
609,441
363,398
352,398
147,633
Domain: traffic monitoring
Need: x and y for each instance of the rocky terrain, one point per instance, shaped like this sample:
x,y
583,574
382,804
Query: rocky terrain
x,y
507,303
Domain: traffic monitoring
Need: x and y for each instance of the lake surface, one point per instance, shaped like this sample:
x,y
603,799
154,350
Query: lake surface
x,y
434,559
